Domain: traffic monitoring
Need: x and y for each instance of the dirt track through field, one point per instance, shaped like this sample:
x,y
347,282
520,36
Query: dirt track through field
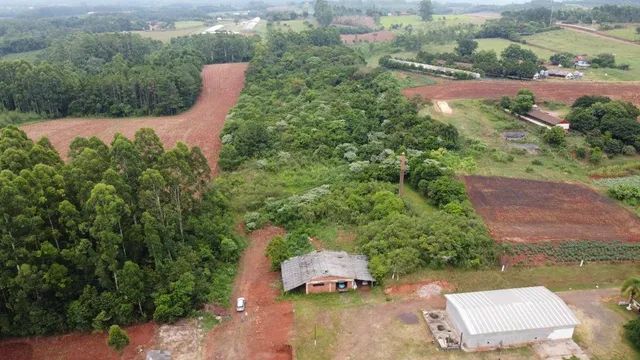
x,y
597,33
565,91
263,331
199,126
518,210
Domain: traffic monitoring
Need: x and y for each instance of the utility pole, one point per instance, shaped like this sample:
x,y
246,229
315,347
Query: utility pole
x,y
403,166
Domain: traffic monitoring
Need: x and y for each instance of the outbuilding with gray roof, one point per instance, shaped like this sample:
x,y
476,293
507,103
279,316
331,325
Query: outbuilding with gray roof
x,y
326,271
509,317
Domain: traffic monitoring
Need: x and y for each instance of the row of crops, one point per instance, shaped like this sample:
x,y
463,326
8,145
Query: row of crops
x,y
575,251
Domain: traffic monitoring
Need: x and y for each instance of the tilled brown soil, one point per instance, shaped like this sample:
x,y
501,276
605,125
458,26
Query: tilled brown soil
x,y
263,331
377,36
517,210
79,346
200,126
550,90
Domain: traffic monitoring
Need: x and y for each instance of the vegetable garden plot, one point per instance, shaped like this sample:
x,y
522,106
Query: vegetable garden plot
x,y
528,211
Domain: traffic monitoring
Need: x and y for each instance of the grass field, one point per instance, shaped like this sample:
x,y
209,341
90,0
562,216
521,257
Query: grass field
x,y
438,21
628,32
167,35
290,25
485,124
556,278
582,43
28,56
188,24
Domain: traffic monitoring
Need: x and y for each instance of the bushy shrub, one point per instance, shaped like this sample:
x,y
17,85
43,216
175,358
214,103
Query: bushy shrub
x,y
282,248
118,338
555,136
626,193
632,332
445,190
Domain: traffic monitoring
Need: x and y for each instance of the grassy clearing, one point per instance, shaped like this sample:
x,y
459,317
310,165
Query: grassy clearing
x,y
438,21
364,326
188,24
27,56
167,35
583,43
411,79
628,32
486,124
556,278
289,25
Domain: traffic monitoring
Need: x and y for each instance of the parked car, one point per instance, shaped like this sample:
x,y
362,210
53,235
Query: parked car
x,y
241,304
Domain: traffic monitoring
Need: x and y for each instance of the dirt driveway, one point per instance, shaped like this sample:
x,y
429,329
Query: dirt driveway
x,y
263,331
600,330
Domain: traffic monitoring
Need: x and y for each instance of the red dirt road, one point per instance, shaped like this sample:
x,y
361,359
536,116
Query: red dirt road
x,y
564,91
79,346
262,333
199,126
517,210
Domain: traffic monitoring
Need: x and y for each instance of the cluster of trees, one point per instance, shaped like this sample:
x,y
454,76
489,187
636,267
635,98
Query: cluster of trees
x,y
28,34
305,104
512,26
514,61
413,40
610,126
122,233
520,104
600,14
116,74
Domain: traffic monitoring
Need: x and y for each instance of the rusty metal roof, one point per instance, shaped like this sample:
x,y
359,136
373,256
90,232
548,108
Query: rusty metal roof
x,y
301,269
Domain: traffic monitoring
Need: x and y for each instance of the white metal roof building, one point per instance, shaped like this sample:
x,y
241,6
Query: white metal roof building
x,y
500,318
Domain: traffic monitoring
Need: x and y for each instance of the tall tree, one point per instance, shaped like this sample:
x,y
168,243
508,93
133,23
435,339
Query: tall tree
x,y
323,12
426,10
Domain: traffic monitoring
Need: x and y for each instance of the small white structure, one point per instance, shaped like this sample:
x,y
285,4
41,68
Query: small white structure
x,y
213,29
501,318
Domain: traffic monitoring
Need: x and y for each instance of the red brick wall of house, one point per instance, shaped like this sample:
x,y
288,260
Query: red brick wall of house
x,y
328,284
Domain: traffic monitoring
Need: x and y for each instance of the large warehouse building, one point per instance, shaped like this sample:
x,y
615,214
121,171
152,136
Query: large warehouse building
x,y
501,318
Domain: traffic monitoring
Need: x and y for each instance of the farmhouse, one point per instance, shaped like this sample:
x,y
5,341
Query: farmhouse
x,y
326,271
500,318
541,118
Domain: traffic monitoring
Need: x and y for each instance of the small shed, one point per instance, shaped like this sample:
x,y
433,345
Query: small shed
x,y
326,271
510,317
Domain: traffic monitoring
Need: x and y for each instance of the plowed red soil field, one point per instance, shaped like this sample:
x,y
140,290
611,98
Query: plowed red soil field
x,y
200,126
518,210
355,20
262,332
79,346
564,91
377,36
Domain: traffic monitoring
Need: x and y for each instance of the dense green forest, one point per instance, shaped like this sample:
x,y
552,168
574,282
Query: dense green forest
x,y
120,234
116,74
308,103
